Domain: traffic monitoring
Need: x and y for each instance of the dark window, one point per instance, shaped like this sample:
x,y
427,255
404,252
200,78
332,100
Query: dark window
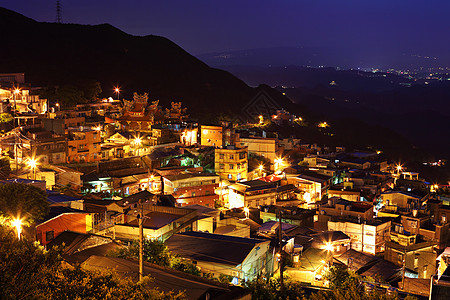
x,y
49,235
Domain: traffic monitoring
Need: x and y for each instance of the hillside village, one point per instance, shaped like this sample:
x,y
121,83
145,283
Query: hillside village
x,y
236,198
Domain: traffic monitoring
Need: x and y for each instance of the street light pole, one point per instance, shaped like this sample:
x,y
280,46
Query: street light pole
x,y
280,237
141,240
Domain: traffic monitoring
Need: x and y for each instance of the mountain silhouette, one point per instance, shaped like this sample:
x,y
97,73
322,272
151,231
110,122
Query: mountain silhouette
x,y
58,54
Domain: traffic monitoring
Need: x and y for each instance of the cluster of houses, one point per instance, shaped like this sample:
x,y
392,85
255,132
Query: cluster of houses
x,y
219,195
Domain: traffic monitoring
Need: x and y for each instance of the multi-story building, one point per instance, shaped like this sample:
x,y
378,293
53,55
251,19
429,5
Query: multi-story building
x,y
191,188
231,163
368,236
337,207
211,135
265,147
60,124
252,193
23,102
313,185
44,146
84,145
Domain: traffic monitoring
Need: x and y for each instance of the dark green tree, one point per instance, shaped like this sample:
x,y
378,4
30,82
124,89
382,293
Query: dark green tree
x,y
270,289
24,201
91,89
5,168
5,118
30,272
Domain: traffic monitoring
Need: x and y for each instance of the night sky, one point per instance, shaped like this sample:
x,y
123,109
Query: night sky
x,y
202,26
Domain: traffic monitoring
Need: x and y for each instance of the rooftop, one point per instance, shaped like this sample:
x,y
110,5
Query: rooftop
x,y
223,249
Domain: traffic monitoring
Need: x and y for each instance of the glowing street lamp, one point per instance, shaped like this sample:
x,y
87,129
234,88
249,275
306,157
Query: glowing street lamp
x,y
399,168
18,224
247,212
261,168
137,142
278,163
117,91
329,247
32,163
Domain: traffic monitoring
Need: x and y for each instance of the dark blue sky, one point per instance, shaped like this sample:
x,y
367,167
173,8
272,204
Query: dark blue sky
x,y
199,26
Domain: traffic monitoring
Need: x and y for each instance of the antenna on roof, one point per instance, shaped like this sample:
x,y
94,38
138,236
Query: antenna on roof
x,y
58,12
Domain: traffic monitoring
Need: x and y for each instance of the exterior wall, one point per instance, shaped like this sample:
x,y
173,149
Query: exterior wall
x,y
269,198
189,137
194,190
339,211
312,191
132,232
241,230
84,147
396,199
418,257
364,237
235,199
49,150
72,178
266,147
253,266
347,195
255,262
204,225
211,136
203,195
79,222
231,164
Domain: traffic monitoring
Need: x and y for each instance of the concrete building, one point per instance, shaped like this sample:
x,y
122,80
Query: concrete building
x,y
252,193
84,145
337,207
211,135
231,163
46,147
244,259
367,236
191,188
265,147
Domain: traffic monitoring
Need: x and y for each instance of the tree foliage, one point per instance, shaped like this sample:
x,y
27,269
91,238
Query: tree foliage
x,y
156,252
18,200
5,168
345,284
72,94
30,272
270,289
5,118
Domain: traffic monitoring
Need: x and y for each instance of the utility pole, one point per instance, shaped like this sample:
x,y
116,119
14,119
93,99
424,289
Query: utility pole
x,y
280,237
403,268
141,240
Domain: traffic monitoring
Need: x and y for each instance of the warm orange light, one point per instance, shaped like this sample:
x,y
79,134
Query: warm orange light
x,y
137,141
16,91
116,90
32,163
329,247
18,224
